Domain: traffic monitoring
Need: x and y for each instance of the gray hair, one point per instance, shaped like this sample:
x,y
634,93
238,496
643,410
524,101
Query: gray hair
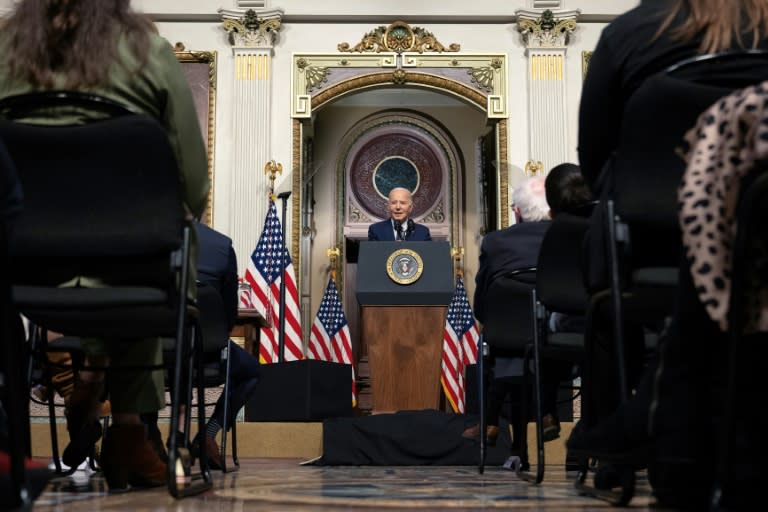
x,y
530,197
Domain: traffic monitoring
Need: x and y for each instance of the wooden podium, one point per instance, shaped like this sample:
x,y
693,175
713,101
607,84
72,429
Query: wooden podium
x,y
403,308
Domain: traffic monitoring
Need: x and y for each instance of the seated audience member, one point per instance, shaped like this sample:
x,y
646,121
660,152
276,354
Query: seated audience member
x,y
36,474
104,47
677,410
399,226
517,247
567,192
217,267
669,419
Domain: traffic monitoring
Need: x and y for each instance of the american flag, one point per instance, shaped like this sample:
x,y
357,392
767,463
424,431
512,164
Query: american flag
x,y
329,339
459,346
263,274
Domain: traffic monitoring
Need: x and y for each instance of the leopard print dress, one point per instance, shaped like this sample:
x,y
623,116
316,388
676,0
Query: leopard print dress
x,y
722,148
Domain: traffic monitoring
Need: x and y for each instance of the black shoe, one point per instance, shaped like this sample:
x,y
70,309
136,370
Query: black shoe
x,y
81,443
606,442
607,477
550,427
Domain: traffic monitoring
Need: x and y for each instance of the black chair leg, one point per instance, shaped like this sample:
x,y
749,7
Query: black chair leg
x,y
18,417
537,397
235,459
623,496
227,405
617,234
482,362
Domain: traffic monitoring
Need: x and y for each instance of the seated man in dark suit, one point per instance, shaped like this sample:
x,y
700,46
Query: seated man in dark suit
x,y
399,226
513,248
217,267
536,201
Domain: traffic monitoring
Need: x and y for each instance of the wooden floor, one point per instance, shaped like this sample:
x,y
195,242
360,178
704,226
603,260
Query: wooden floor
x,y
282,484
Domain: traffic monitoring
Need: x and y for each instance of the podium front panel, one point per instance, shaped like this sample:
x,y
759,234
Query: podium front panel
x,y
386,272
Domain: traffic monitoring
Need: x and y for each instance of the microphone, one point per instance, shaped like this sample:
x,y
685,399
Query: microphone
x,y
411,227
398,229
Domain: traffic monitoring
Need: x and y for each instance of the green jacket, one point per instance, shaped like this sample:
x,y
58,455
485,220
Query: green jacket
x,y
160,89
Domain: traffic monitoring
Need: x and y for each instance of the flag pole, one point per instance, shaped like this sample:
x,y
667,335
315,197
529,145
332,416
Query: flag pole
x,y
281,338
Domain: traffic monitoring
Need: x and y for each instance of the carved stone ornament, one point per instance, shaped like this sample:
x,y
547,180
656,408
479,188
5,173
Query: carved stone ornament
x,y
357,215
483,76
398,37
546,29
252,29
316,75
437,215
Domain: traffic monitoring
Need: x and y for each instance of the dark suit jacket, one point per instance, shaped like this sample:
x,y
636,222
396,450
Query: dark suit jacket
x,y
384,231
505,250
217,267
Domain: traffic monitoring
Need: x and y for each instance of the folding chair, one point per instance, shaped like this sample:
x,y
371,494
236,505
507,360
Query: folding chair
x,y
640,217
559,288
20,486
507,331
102,199
748,274
214,335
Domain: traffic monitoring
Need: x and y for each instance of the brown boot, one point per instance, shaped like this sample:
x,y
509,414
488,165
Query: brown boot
x,y
128,458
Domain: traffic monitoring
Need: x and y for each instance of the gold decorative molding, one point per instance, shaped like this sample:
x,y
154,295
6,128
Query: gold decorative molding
x,y
585,57
398,37
313,80
251,29
209,58
546,65
546,29
502,129
298,197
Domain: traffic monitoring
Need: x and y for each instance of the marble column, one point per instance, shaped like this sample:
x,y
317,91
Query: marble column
x,y
252,36
546,36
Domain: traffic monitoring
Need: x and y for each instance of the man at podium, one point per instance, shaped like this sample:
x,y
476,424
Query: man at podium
x,y
399,226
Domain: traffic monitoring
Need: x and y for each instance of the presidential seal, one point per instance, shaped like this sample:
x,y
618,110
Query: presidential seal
x,y
404,266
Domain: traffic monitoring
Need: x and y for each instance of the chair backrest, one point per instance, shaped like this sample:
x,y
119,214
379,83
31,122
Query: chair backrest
x,y
559,277
96,195
508,326
647,168
750,269
212,321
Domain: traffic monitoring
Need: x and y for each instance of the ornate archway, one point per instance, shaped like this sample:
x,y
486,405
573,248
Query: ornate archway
x,y
395,56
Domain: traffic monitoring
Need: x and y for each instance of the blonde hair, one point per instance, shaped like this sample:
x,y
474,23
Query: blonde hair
x,y
722,22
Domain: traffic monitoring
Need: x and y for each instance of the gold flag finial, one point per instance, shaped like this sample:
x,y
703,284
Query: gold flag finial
x,y
273,169
333,254
533,167
457,253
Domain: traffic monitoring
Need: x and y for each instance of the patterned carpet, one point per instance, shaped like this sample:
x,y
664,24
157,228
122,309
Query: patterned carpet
x,y
284,484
